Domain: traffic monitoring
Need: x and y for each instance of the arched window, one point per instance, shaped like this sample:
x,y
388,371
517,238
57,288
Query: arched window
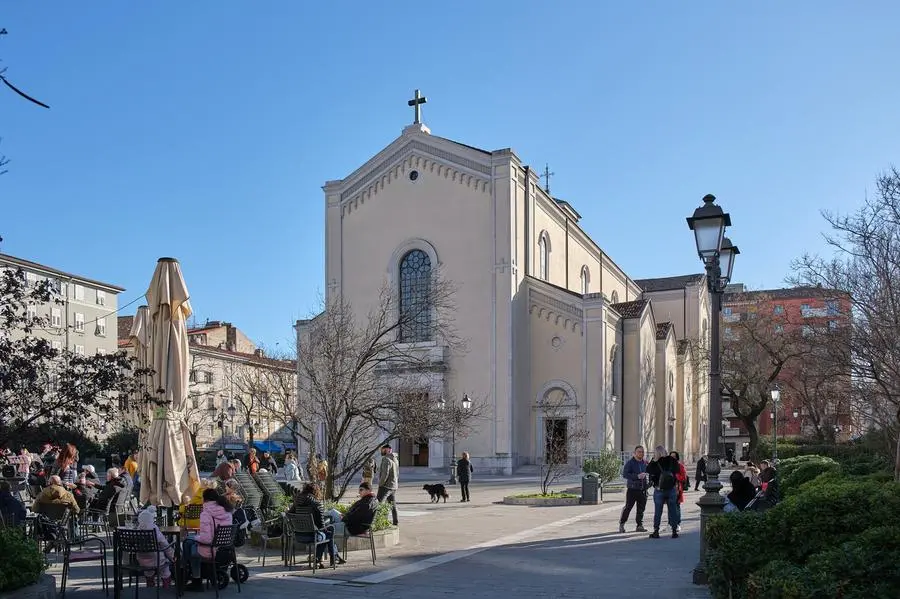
x,y
614,299
543,256
585,280
415,297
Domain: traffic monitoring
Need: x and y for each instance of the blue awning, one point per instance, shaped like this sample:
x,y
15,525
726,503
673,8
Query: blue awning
x,y
270,446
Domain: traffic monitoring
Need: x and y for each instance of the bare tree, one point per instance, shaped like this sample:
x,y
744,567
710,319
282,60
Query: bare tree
x,y
866,263
756,348
369,380
564,439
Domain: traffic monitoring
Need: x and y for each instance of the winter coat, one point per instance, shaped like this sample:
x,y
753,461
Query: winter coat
x,y
12,509
463,470
680,480
147,521
701,469
656,467
361,514
307,504
630,472
55,495
213,515
291,470
390,472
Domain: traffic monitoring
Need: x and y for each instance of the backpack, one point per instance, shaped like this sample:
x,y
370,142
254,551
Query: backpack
x,y
666,481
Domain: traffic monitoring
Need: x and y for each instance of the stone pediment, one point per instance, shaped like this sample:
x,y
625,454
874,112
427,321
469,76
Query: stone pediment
x,y
565,314
410,152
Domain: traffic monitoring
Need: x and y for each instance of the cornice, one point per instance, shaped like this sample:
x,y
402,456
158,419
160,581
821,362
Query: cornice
x,y
554,309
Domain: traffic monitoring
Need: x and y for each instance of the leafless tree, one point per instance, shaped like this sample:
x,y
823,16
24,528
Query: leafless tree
x,y
756,348
866,263
563,446
368,380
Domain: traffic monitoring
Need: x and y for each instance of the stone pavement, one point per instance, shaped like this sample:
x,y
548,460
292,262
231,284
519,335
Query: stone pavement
x,y
484,549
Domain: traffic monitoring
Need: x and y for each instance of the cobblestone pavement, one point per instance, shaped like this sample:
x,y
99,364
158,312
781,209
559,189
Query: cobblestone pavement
x,y
484,549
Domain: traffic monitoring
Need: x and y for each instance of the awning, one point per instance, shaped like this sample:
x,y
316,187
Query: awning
x,y
269,446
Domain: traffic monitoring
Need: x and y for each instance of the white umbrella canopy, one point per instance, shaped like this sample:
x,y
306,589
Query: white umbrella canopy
x,y
140,343
168,466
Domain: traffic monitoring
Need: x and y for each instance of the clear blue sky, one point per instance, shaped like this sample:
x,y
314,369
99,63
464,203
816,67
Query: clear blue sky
x,y
225,118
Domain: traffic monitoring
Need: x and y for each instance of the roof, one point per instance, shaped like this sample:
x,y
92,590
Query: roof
x,y
669,283
630,309
252,358
788,293
662,329
125,323
453,141
682,346
29,265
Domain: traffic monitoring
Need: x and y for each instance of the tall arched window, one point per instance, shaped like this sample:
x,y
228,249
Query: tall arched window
x,y
415,294
615,298
543,256
585,280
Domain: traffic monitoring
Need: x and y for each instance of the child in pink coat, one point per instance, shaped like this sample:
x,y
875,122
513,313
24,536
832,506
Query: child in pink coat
x,y
147,521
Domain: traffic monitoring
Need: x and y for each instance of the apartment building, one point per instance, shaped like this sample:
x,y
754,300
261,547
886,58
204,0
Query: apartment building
x,y
81,313
233,388
803,310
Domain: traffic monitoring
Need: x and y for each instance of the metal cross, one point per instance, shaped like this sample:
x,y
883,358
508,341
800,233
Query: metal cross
x,y
416,103
332,287
546,177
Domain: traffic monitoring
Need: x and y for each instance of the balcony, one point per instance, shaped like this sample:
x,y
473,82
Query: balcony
x,y
732,432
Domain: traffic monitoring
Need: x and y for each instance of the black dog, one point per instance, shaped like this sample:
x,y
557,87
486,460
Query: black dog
x,y
436,492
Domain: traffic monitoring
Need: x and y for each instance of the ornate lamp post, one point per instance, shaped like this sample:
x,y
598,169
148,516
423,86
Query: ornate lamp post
x,y
220,418
455,419
717,253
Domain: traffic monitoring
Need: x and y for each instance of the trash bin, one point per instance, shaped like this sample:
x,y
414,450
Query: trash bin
x,y
590,485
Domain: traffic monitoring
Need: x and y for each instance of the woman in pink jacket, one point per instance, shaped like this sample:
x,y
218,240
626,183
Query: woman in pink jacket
x,y
216,512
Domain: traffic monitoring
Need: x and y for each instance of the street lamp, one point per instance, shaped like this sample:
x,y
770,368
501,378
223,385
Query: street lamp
x,y
220,418
455,419
717,252
776,397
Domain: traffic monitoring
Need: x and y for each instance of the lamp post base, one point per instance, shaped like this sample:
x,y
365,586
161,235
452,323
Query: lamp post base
x,y
712,503
452,480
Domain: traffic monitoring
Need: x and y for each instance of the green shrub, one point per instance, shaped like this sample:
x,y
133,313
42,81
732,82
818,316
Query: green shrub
x,y
607,465
22,563
735,550
805,471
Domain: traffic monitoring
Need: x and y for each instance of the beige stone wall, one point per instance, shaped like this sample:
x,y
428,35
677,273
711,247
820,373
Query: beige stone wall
x,y
666,374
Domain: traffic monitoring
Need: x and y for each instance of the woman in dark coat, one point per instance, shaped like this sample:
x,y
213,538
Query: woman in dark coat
x,y
464,470
701,472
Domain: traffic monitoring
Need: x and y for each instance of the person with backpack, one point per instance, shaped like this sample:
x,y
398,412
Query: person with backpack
x,y
663,471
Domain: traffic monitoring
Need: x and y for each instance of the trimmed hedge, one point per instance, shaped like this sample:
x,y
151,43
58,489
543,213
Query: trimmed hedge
x,y
23,561
833,535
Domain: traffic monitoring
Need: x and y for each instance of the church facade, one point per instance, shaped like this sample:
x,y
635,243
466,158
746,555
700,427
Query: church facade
x,y
545,311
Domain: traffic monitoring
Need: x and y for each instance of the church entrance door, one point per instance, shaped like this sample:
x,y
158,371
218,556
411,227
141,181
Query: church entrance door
x,y
413,453
556,433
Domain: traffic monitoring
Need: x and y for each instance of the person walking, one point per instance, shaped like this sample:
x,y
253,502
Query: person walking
x,y
463,470
700,473
635,474
663,471
389,480
368,471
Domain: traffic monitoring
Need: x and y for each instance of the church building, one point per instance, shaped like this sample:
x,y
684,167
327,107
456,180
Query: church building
x,y
546,312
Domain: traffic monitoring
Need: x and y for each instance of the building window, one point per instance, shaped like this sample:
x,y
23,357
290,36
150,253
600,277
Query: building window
x,y
805,311
101,298
832,307
807,330
101,327
79,350
55,317
585,280
415,292
544,256
192,376
79,292
614,298
57,345
832,324
101,351
195,402
726,311
79,322
31,311
30,279
778,310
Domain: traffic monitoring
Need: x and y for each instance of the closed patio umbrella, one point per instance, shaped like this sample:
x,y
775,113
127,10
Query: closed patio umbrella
x,y
168,466
139,415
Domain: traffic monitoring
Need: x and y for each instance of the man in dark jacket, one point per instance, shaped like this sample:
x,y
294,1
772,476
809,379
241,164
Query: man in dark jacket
x,y
11,508
701,472
662,471
635,475
361,514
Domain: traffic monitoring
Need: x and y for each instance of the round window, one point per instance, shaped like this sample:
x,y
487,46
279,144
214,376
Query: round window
x,y
413,175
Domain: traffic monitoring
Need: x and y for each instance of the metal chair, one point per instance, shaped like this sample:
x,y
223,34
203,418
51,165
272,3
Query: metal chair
x,y
84,555
367,534
191,513
223,539
133,541
303,525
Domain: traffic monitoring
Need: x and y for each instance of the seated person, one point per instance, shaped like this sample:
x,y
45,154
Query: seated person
x,y
11,508
361,514
106,498
216,512
164,558
742,491
55,494
307,502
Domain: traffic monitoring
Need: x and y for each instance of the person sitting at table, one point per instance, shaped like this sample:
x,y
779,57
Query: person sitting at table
x,y
147,521
193,499
308,502
216,512
107,496
361,514
11,509
55,494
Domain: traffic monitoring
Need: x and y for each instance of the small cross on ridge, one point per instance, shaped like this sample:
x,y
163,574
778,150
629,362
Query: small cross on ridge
x,y
416,103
